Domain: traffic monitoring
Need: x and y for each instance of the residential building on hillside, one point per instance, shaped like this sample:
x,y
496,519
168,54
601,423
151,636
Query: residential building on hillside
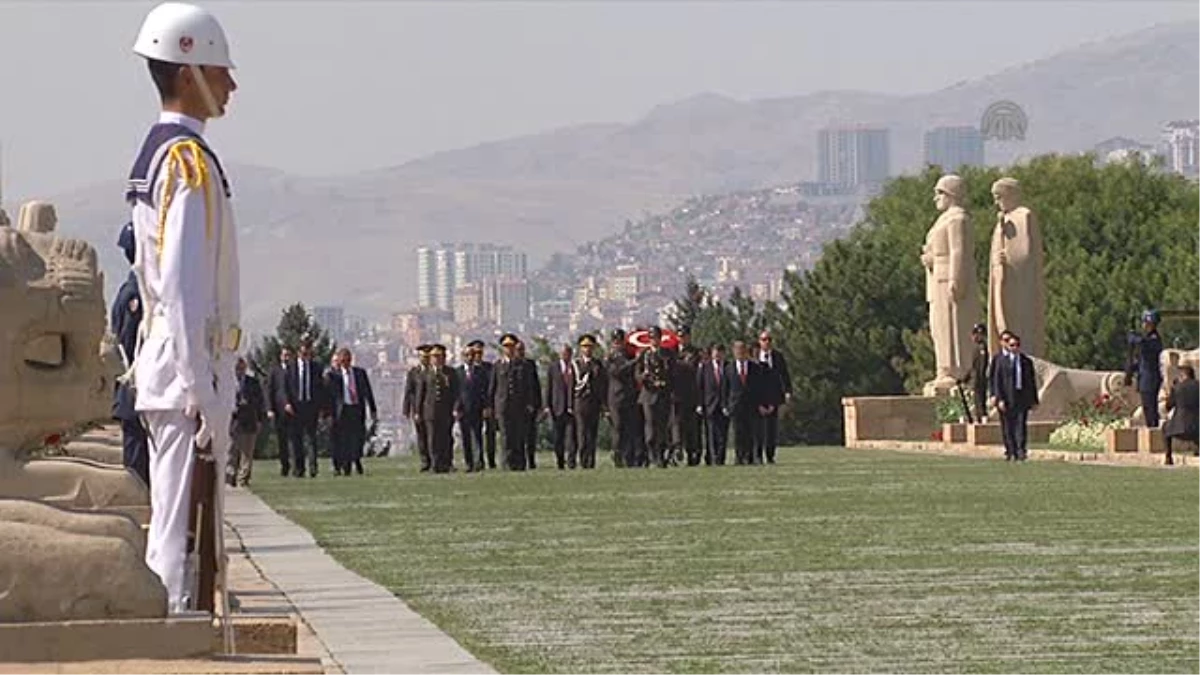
x,y
1181,145
954,147
853,156
332,318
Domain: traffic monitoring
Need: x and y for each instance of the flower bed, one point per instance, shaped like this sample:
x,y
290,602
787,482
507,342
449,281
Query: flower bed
x,y
1087,421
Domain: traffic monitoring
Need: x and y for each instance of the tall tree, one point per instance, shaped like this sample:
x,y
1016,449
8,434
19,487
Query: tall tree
x,y
295,324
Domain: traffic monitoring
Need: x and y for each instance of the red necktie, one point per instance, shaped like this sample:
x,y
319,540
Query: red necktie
x,y
353,390
742,371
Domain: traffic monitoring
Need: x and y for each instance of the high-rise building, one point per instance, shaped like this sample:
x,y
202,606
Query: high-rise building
x,y
445,267
853,156
468,304
426,281
954,147
1181,146
332,319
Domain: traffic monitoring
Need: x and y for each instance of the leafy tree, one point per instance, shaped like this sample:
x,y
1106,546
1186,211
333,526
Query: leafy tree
x,y
295,323
1117,238
689,305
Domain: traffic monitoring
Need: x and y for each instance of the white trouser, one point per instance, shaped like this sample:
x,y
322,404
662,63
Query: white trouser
x,y
172,436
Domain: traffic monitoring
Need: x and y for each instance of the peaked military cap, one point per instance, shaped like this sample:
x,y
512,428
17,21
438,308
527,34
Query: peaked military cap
x,y
509,339
1151,316
437,350
618,334
684,330
656,331
979,328
587,340
423,349
475,344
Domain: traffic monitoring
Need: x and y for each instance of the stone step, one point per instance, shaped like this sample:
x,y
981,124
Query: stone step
x,y
217,665
260,634
185,636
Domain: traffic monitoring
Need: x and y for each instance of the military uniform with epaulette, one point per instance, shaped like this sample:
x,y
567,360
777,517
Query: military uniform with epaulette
x,y
685,396
437,397
654,373
411,407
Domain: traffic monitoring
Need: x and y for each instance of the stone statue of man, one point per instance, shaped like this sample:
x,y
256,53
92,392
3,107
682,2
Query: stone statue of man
x,y
951,288
1016,283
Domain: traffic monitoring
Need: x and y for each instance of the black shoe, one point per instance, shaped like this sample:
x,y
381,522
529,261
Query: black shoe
x,y
284,471
312,474
357,467
424,469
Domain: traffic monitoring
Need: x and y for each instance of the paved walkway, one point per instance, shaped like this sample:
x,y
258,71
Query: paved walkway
x,y
364,628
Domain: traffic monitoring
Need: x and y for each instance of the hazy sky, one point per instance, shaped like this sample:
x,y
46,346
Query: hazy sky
x,y
339,87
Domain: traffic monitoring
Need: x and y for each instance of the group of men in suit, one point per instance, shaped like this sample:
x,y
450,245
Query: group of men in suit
x,y
658,400
301,390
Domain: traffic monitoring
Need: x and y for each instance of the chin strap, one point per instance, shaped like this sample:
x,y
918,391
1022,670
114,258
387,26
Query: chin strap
x,y
205,92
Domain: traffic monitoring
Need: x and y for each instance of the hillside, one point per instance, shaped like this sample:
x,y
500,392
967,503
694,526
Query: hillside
x,y
350,239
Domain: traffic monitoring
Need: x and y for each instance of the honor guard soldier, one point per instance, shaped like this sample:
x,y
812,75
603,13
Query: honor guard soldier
x,y
978,375
685,396
622,400
514,395
126,319
437,398
589,398
412,385
187,267
1145,354
654,375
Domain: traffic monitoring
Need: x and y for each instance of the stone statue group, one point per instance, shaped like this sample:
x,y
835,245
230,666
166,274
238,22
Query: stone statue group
x,y
1016,294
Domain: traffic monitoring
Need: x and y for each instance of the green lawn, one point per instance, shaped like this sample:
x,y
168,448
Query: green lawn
x,y
833,560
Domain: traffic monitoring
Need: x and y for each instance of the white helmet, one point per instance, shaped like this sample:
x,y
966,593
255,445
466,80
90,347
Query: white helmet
x,y
177,32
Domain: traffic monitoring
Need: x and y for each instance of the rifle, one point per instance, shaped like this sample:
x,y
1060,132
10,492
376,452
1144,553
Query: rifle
x,y
962,396
205,554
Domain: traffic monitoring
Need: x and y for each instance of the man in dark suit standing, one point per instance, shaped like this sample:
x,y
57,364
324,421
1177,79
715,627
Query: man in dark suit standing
x,y
776,391
352,398
622,400
710,379
514,394
1014,388
559,401
1184,400
531,432
437,398
472,400
412,384
588,399
743,386
306,399
277,408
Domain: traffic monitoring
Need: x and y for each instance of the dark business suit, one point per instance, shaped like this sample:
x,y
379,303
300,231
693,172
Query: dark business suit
x,y
472,399
306,392
589,399
531,433
514,394
489,417
743,395
710,380
560,400
277,399
622,407
776,386
349,417
412,382
437,397
1017,389
685,422
1184,403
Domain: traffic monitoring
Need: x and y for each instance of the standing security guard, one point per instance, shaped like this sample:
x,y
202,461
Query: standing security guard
x,y
654,374
685,396
187,267
978,376
622,400
126,319
1145,359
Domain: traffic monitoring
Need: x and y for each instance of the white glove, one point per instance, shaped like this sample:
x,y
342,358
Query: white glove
x,y
203,434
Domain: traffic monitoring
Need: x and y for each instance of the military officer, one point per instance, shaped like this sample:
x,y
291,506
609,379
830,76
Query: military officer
x,y
515,396
531,431
187,266
622,400
978,375
412,384
126,319
685,396
437,396
654,374
588,399
489,418
1146,356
